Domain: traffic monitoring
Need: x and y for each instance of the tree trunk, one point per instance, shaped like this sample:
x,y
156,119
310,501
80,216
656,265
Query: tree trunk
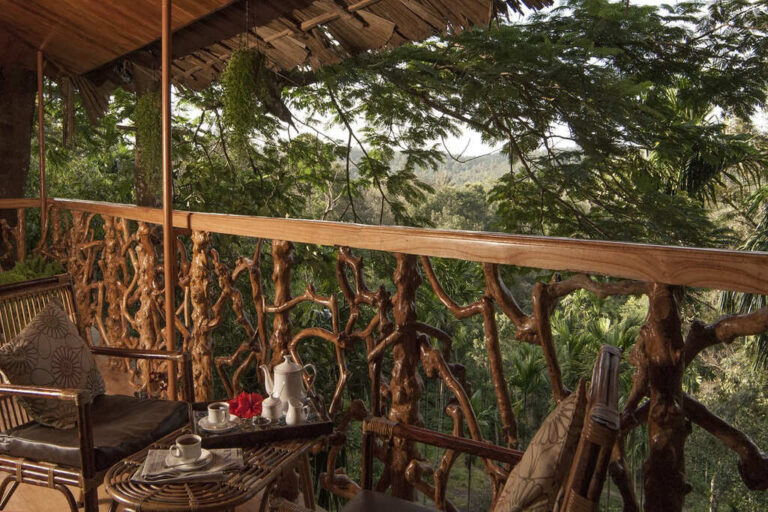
x,y
665,485
405,383
17,109
148,183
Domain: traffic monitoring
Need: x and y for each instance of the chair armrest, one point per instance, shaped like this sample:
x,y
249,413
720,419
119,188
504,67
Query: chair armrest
x,y
163,355
386,429
79,396
82,400
132,353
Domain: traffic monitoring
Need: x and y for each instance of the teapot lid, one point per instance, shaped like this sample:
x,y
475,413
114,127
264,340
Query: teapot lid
x,y
288,365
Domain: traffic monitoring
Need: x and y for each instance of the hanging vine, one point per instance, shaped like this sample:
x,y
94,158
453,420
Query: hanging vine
x,y
250,91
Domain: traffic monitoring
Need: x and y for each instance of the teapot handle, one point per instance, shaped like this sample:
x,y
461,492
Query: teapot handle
x,y
314,373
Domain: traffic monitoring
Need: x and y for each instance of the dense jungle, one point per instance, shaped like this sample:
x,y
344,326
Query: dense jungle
x,y
600,120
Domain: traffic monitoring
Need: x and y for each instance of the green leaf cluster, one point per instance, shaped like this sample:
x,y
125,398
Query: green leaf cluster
x,y
33,267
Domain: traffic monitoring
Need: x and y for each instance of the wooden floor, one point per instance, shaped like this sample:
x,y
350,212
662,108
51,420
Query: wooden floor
x,y
30,498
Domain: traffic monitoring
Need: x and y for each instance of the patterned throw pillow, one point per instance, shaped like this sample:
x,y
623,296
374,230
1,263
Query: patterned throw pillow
x,y
49,352
534,483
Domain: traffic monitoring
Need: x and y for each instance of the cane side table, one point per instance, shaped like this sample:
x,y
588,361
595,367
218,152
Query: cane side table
x,y
263,465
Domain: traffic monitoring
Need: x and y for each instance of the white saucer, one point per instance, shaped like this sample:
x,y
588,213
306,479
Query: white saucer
x,y
204,424
174,463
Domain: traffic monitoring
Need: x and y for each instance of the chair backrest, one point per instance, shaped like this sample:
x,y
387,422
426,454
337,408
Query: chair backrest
x,y
588,470
601,426
19,304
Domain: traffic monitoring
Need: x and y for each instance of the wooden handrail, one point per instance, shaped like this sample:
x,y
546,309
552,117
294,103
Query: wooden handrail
x,y
23,202
695,267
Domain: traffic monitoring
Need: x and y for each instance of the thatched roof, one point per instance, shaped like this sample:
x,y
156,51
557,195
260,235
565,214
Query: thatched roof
x,y
110,43
80,35
294,33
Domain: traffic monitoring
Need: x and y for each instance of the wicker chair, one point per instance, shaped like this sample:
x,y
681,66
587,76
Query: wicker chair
x,y
587,472
109,427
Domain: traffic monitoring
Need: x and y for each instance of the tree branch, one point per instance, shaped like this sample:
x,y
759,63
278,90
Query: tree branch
x,y
725,330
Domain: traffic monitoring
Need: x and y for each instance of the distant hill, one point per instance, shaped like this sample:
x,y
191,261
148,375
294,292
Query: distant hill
x,y
451,172
471,170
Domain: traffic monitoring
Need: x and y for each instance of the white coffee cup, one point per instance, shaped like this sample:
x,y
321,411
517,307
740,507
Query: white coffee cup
x,y
218,413
187,448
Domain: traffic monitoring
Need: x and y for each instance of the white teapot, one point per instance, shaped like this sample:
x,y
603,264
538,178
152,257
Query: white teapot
x,y
288,385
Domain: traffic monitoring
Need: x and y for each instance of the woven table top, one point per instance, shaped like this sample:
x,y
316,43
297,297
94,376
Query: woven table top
x,y
263,464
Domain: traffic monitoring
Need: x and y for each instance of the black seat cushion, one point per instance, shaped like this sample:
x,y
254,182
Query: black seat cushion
x,y
370,501
122,425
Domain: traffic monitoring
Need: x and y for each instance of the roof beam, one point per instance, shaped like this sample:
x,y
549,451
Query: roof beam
x,y
217,26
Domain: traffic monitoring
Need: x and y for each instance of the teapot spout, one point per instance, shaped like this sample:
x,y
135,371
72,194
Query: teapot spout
x,y
268,383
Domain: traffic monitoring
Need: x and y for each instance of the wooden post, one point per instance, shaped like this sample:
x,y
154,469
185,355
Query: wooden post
x,y
169,247
21,233
41,144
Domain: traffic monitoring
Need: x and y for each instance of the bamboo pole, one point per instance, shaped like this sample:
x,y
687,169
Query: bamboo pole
x,y
41,144
168,242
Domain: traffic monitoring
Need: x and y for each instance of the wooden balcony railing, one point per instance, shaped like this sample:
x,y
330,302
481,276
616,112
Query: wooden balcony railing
x,y
119,293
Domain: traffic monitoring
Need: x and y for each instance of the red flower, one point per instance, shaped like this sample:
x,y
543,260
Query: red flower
x,y
246,405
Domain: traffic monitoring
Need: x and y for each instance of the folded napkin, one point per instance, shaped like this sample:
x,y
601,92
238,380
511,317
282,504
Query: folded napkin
x,y
154,469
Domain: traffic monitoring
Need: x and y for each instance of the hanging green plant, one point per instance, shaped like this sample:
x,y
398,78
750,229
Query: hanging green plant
x,y
240,90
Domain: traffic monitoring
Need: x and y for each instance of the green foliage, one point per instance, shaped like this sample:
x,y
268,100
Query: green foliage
x,y
581,324
33,267
464,208
739,396
756,239
99,164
